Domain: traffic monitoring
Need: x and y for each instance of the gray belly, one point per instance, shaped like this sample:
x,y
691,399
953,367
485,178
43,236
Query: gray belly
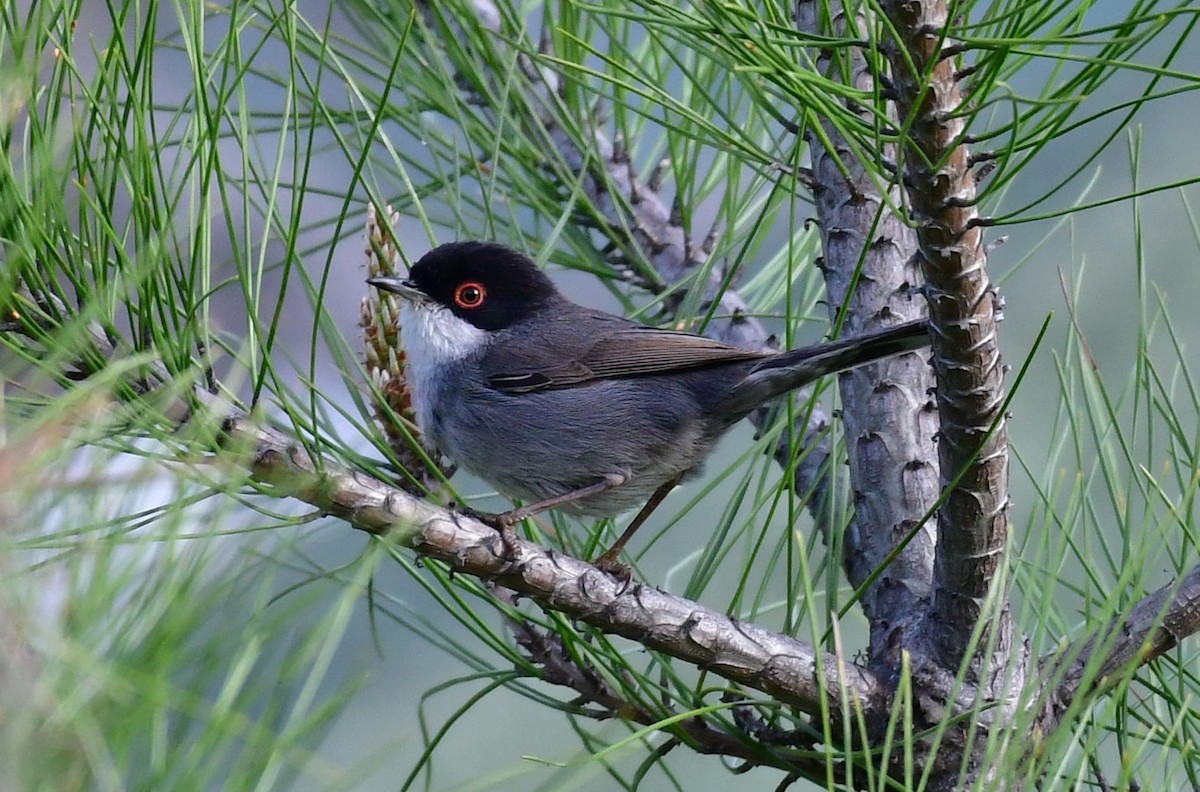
x,y
538,445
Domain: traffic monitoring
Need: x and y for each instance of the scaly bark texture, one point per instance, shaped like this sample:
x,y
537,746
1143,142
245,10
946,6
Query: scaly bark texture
x,y
972,526
890,420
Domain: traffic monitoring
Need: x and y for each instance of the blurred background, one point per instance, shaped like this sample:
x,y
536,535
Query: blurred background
x,y
388,686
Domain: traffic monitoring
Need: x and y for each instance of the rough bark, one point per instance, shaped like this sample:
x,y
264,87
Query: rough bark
x,y
969,591
890,421
964,308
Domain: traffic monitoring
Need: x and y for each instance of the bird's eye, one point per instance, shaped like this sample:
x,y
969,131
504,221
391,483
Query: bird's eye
x,y
470,295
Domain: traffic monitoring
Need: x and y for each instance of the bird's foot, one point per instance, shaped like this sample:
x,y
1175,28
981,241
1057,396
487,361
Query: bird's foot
x,y
610,563
504,524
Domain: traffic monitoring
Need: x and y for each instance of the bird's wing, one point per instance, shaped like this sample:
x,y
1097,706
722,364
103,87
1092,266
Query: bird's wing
x,y
632,351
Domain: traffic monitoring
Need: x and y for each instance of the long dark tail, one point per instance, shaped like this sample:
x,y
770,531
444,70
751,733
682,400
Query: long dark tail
x,y
796,368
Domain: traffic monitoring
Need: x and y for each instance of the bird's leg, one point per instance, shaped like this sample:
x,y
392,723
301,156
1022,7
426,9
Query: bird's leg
x,y
608,561
608,482
505,521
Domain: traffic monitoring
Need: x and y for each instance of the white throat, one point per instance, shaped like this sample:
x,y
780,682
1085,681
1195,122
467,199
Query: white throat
x,y
432,338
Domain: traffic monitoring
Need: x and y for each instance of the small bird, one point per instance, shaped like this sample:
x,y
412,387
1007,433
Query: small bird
x,y
567,407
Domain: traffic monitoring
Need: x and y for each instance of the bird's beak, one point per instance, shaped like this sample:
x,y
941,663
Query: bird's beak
x,y
398,286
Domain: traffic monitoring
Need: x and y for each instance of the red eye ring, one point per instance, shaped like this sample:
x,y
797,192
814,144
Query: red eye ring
x,y
470,295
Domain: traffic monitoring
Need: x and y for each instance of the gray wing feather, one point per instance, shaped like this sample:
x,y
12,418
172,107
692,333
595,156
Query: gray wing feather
x,y
627,352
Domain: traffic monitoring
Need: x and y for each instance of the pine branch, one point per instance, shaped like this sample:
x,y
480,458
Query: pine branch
x,y
870,273
556,665
972,530
1154,626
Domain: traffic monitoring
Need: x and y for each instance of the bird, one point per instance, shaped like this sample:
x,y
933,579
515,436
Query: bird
x,y
558,405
